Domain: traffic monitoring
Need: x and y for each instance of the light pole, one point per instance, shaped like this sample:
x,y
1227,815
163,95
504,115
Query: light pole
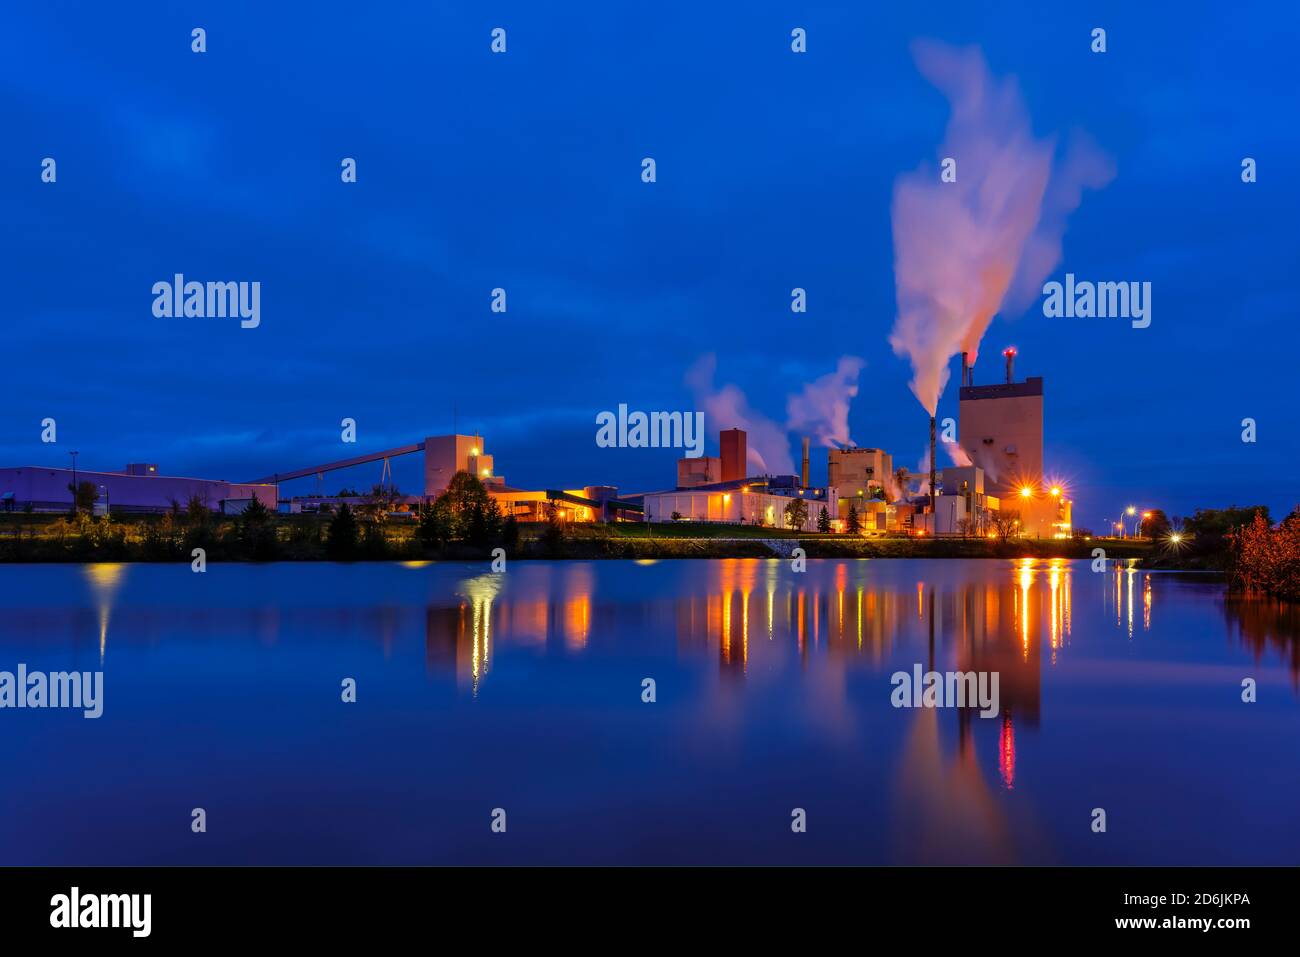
x,y
74,482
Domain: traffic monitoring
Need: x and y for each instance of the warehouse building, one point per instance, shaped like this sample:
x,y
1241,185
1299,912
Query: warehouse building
x,y
138,488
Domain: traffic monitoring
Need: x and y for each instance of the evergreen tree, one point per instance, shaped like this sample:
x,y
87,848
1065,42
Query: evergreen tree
x,y
853,524
435,523
341,545
823,521
510,533
256,531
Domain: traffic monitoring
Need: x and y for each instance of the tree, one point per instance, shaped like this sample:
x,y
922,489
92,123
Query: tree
x,y
1006,524
467,504
197,513
796,513
256,531
964,527
492,522
853,524
823,521
84,499
1218,522
434,529
341,544
1155,525
553,534
510,532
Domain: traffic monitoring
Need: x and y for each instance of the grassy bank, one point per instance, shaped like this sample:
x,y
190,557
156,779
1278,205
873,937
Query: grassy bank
x,y
170,538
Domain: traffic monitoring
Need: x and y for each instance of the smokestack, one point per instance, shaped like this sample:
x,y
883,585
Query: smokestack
x,y
932,479
965,369
804,471
1010,353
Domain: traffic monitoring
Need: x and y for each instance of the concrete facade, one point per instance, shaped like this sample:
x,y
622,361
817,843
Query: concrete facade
x,y
445,455
1001,429
850,471
702,471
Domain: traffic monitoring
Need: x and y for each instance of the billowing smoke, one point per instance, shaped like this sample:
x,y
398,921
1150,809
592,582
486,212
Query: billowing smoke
x,y
964,250
726,408
821,410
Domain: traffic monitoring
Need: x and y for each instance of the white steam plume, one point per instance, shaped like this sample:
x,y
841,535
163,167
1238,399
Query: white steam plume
x,y
822,408
726,408
963,250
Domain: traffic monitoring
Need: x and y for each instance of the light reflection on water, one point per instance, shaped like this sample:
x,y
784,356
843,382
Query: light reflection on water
x,y
1117,689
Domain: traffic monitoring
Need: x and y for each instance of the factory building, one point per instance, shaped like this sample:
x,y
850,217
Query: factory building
x,y
138,488
962,506
755,501
852,471
1001,429
445,455
704,470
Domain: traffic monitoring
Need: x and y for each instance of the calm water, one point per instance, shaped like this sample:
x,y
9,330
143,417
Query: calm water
x,y
523,691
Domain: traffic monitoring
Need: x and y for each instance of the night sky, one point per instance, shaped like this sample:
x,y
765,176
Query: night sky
x,y
522,171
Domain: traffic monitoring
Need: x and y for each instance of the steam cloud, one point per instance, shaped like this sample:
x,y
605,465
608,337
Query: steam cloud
x,y
965,250
820,409
767,444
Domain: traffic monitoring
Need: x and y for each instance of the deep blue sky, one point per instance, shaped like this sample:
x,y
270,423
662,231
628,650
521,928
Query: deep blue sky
x,y
522,171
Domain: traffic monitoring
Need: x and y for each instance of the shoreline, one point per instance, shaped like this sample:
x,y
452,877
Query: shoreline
x,y
587,548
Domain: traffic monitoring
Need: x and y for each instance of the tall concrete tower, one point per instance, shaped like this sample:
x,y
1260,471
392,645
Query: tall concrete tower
x,y
1001,429
732,443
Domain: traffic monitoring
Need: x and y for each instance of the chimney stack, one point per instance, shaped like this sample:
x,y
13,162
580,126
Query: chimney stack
x,y
804,471
932,476
965,369
1010,353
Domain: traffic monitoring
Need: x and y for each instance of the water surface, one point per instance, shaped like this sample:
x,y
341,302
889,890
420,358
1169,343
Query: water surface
x,y
523,691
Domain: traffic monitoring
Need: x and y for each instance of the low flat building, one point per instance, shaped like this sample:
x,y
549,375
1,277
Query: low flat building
x,y
759,501
138,489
